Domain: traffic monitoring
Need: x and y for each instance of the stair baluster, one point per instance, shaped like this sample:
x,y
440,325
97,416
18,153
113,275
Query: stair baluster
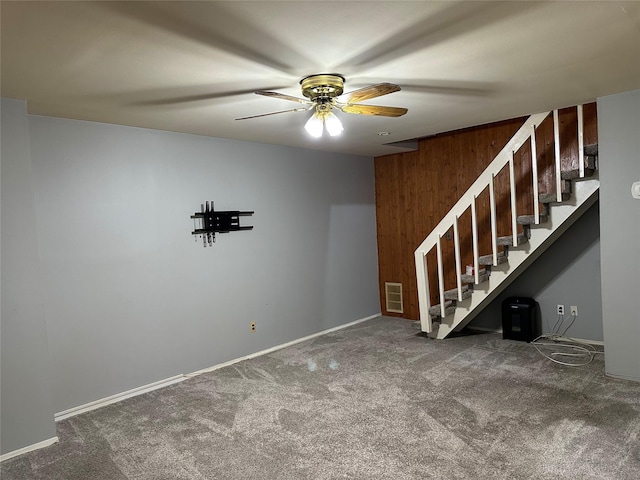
x,y
514,209
494,227
556,150
581,140
456,246
440,276
534,170
474,233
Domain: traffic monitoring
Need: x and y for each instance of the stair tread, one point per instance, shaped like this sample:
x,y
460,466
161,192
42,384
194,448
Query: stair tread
x,y
589,167
575,173
449,308
531,219
552,197
488,259
591,150
464,278
453,293
508,240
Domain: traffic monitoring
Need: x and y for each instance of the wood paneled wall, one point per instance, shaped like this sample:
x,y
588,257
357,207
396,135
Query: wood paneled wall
x,y
415,190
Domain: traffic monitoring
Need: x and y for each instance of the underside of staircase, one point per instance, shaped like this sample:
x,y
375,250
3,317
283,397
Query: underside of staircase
x,y
478,284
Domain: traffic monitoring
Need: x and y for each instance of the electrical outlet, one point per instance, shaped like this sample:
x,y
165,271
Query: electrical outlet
x,y
252,326
560,309
574,310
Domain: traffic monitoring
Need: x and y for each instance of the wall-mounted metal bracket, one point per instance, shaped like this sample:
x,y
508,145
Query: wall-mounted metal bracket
x,y
208,222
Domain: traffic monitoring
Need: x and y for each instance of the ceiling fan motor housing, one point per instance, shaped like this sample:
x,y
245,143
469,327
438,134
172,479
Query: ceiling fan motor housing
x,y
323,86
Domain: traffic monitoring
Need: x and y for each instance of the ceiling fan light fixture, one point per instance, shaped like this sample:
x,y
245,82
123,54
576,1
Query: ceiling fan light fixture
x,y
333,124
314,125
323,118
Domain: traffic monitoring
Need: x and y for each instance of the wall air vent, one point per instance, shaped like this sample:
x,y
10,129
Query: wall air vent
x,y
393,295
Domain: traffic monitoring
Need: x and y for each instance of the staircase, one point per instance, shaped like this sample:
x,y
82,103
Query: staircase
x,y
531,233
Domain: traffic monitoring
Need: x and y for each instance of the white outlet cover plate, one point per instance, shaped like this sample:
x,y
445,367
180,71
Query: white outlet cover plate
x,y
635,190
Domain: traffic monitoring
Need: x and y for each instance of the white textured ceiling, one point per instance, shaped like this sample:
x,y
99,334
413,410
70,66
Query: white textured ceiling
x,y
192,66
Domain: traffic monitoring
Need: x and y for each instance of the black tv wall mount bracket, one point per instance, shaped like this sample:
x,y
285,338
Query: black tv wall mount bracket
x,y
208,222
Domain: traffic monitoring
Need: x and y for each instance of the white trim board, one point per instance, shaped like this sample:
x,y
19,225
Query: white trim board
x,y
590,342
87,407
29,448
103,402
499,330
280,347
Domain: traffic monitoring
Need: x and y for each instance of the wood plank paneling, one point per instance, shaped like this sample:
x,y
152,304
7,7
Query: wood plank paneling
x,y
415,190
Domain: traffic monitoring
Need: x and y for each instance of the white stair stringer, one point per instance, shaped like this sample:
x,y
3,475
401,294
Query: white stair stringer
x,y
562,216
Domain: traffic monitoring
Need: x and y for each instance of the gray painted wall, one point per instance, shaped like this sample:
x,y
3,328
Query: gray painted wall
x,y
27,410
567,273
131,297
619,133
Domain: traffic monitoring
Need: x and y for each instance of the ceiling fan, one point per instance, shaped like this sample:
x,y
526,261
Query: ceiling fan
x,y
324,93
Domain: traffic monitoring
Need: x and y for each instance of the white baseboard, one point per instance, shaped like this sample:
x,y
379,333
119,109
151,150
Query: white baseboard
x,y
590,342
29,448
103,402
280,347
87,407
622,377
499,330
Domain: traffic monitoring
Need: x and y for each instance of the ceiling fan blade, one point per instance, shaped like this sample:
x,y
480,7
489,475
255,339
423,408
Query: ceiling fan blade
x,y
283,96
374,110
372,91
442,24
165,100
274,113
449,86
213,25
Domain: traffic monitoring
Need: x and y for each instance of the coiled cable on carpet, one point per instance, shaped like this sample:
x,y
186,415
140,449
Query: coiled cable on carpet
x,y
566,347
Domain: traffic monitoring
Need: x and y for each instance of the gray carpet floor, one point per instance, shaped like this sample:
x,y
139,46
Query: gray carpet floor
x,y
374,401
